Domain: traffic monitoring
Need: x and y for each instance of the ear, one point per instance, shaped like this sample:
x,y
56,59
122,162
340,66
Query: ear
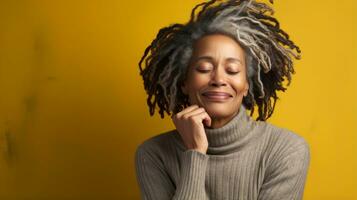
x,y
246,89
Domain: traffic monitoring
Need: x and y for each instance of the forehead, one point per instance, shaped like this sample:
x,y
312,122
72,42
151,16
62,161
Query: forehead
x,y
217,45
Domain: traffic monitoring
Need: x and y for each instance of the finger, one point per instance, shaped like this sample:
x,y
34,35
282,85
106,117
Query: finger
x,y
207,121
183,112
194,112
204,118
186,110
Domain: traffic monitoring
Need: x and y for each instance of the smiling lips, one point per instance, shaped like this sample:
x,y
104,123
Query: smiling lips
x,y
216,96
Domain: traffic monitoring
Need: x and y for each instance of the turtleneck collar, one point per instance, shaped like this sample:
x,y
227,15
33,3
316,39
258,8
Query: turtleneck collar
x,y
231,136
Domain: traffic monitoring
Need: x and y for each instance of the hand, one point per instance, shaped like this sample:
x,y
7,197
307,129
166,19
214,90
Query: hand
x,y
189,124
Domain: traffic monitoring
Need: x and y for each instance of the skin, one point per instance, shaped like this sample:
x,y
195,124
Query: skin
x,y
217,64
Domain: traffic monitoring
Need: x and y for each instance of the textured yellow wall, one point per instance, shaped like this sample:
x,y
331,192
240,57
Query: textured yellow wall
x,y
73,108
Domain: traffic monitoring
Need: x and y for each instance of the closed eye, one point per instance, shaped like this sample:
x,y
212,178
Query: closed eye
x,y
233,73
203,70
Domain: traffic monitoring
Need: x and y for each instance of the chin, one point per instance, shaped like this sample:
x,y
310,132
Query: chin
x,y
219,112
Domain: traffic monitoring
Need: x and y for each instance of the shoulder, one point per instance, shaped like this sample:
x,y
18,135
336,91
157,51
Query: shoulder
x,y
282,136
156,145
284,144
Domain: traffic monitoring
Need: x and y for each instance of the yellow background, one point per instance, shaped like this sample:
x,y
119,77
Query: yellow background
x,y
73,108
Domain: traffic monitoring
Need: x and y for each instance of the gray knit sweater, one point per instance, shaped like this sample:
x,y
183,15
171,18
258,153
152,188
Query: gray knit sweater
x,y
246,159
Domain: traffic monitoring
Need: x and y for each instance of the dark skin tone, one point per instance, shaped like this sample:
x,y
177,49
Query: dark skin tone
x,y
216,84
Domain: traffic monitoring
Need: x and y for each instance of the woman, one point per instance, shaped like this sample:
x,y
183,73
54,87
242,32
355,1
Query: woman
x,y
229,58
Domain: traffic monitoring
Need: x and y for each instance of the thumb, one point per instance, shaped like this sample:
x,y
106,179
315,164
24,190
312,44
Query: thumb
x,y
207,121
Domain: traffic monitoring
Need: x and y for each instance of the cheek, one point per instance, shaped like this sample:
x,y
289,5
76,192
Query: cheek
x,y
197,82
240,85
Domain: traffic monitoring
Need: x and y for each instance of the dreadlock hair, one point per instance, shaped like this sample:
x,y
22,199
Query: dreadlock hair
x,y
269,53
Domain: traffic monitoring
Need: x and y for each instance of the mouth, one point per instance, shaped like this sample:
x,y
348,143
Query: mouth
x,y
216,96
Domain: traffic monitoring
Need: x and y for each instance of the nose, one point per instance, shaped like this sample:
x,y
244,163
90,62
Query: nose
x,y
217,78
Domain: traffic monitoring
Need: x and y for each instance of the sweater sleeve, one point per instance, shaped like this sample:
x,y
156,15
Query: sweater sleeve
x,y
287,176
155,183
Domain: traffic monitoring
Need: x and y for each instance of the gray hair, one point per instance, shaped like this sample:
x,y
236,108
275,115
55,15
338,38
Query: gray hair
x,y
269,53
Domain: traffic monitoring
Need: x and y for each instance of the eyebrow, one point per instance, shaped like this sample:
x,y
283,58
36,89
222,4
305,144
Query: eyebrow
x,y
230,59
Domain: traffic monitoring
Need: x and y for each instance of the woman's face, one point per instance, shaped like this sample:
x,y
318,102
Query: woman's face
x,y
216,78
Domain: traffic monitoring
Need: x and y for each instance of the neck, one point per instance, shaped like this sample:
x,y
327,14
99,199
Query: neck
x,y
220,122
232,135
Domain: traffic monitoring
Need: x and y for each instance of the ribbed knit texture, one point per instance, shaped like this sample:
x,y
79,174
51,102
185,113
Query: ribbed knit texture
x,y
245,160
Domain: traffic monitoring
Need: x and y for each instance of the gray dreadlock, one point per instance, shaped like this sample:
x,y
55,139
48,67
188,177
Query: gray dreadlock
x,y
269,53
